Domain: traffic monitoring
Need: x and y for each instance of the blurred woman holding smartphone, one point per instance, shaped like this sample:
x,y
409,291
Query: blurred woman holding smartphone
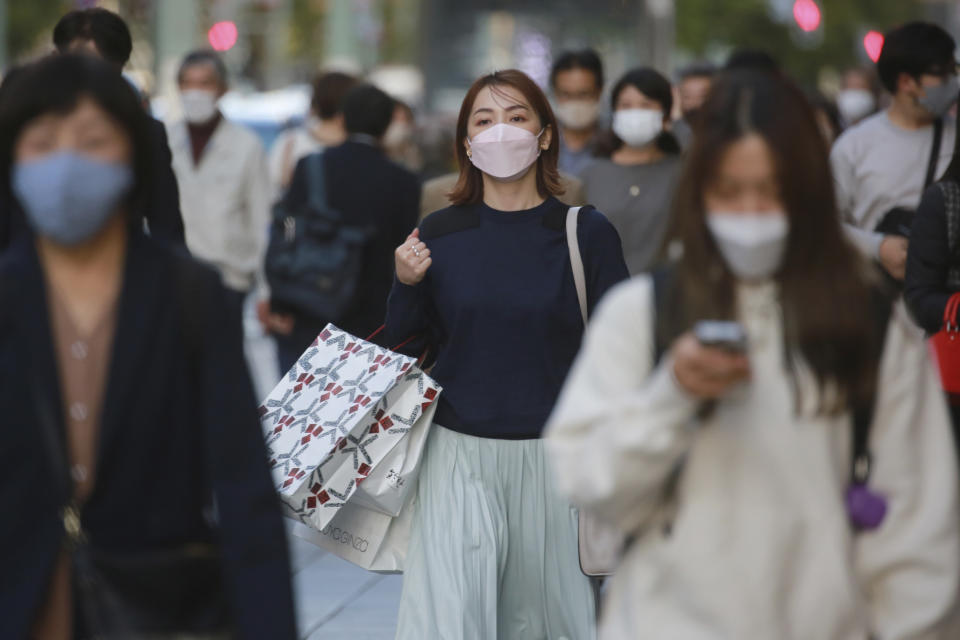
x,y
790,477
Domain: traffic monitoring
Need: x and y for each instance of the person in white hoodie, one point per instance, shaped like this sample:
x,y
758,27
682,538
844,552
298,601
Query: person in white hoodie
x,y
732,471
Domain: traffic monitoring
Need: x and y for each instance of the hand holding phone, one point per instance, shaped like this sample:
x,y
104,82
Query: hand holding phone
x,y
711,359
721,334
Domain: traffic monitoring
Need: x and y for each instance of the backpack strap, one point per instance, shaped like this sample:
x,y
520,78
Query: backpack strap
x,y
316,182
576,262
934,153
861,460
661,277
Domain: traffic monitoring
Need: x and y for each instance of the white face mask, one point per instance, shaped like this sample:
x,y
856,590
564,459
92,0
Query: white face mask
x,y
504,151
577,114
638,127
855,104
199,105
752,245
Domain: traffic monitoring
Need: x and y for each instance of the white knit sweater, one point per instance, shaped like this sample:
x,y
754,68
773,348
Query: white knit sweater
x,y
760,547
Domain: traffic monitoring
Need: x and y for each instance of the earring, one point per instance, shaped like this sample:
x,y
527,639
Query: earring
x,y
469,153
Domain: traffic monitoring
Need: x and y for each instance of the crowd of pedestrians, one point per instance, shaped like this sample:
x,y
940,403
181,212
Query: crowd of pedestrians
x,y
716,316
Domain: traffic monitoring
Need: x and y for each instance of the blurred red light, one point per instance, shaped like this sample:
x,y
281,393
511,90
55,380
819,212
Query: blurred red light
x,y
807,15
222,36
873,43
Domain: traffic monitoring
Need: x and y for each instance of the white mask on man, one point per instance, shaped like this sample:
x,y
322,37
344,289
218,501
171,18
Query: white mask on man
x,y
577,115
637,127
199,105
855,104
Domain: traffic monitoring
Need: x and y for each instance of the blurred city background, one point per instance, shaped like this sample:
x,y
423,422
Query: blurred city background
x,y
426,52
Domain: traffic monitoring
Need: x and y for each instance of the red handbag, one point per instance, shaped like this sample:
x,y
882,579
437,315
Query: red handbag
x,y
945,345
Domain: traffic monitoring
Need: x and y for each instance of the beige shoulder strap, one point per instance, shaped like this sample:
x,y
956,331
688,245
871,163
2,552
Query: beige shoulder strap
x,y
576,261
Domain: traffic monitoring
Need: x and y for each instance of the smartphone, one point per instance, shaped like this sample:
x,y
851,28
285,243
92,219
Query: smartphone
x,y
721,334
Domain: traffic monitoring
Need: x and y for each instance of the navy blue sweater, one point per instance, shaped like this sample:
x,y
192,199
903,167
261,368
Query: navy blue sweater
x,y
500,305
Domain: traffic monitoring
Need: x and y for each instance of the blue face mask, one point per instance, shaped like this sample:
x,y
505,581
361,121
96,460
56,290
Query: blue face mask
x,y
69,197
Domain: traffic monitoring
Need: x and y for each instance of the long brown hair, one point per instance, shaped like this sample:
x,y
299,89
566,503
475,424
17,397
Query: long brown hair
x,y
469,188
825,286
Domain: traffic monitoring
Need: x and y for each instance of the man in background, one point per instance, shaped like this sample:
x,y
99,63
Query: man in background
x,y
104,34
222,171
577,84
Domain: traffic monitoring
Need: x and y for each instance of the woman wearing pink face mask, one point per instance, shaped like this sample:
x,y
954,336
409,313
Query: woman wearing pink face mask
x,y
493,550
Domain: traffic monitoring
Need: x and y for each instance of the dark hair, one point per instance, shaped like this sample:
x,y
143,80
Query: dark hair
x,y
752,59
469,188
655,86
104,28
586,59
56,84
915,48
204,56
824,285
367,110
329,90
697,70
821,103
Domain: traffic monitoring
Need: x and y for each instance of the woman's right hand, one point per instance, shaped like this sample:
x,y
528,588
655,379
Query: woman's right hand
x,y
412,260
707,372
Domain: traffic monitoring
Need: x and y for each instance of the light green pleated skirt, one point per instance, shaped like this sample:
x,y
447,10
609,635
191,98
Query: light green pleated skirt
x,y
493,547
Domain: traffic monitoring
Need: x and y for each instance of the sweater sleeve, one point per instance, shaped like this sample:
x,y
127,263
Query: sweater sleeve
x,y
909,567
602,255
867,240
619,428
928,260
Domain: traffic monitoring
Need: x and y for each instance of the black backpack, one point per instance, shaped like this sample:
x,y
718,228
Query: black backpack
x,y
314,259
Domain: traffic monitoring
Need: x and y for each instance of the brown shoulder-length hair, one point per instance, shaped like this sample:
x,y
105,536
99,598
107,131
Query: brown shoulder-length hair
x,y
825,286
469,187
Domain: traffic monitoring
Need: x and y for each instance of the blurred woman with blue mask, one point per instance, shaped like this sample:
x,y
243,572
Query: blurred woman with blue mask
x,y
128,408
633,181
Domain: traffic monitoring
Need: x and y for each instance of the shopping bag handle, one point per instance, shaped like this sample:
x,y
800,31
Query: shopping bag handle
x,y
399,346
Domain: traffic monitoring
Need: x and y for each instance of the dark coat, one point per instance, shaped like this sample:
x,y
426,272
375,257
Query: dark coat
x,y
368,190
929,261
179,428
162,204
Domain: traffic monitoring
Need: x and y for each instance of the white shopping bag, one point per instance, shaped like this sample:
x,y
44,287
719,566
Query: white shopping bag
x,y
388,485
369,539
335,416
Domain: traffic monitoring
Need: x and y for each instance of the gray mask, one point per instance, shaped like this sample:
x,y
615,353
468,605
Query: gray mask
x,y
939,99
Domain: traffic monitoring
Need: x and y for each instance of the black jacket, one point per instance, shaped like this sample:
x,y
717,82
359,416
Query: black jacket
x,y
368,190
161,211
179,428
928,260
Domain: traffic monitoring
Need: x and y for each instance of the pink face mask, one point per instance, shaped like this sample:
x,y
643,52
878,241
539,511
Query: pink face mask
x,y
504,151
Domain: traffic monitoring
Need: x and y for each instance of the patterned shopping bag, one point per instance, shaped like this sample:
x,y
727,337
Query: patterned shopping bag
x,y
335,416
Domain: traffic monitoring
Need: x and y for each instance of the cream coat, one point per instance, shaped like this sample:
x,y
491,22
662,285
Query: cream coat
x,y
759,546
225,200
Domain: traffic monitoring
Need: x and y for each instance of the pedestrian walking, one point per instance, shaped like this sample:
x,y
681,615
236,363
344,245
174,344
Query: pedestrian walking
x,y
790,475
224,184
324,128
933,263
693,86
576,80
493,546
134,475
367,193
885,162
634,180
